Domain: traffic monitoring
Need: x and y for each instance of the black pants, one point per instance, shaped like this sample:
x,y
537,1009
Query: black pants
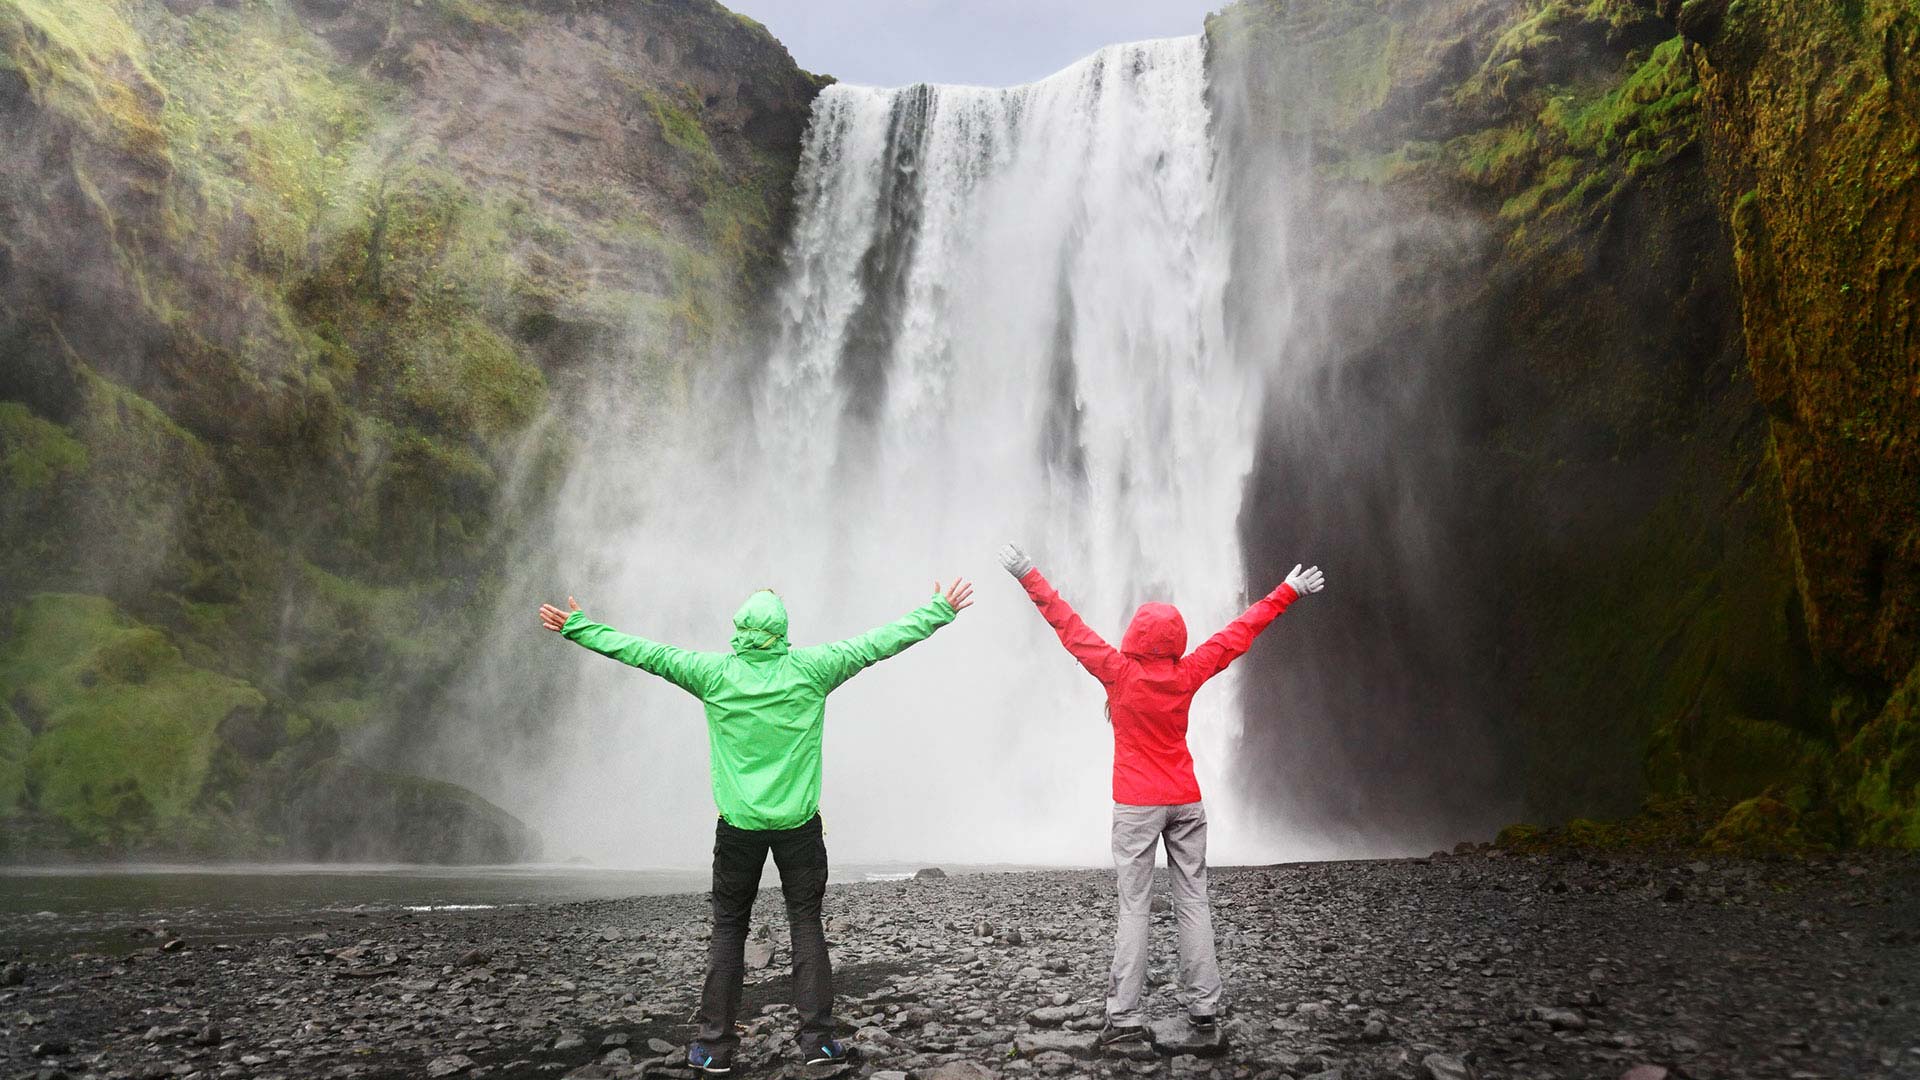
x,y
738,857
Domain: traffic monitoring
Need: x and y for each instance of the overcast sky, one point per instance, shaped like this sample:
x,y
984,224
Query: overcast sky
x,y
988,42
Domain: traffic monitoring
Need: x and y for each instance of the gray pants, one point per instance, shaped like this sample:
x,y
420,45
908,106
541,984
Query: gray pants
x,y
1136,832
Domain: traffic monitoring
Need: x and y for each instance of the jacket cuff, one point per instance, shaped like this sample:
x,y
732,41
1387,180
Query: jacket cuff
x,y
1285,594
575,621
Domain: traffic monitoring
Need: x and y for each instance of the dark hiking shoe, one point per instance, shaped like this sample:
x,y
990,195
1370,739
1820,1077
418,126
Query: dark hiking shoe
x,y
1203,1021
825,1051
1123,1035
713,1060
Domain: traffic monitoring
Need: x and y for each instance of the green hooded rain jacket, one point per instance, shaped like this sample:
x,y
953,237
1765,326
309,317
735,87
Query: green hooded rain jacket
x,y
765,702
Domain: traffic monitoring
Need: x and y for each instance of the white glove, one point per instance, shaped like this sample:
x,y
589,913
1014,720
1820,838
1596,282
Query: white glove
x,y
1310,580
1015,560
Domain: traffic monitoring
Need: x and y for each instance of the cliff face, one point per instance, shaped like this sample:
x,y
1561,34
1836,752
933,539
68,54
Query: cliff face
x,y
1672,518
1813,115
290,293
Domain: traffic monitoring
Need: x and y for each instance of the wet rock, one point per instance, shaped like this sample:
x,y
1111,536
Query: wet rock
x,y
1034,1042
52,1048
1559,1019
1176,1036
13,974
1445,1067
1057,1014
1161,904
929,873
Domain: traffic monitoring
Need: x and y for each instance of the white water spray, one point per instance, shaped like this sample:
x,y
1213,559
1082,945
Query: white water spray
x,y
1002,319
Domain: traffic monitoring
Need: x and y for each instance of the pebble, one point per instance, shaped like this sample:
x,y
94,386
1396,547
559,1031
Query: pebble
x,y
449,1065
1403,969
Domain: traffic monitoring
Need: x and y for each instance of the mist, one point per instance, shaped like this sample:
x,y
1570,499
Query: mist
x,y
1089,314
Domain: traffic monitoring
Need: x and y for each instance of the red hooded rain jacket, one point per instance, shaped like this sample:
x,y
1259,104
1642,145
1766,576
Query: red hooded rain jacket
x,y
1150,685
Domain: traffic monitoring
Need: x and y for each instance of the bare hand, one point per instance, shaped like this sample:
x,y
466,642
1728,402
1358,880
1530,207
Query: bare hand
x,y
959,594
553,618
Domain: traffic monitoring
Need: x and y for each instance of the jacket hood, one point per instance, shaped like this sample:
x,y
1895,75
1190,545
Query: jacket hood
x,y
1156,630
760,626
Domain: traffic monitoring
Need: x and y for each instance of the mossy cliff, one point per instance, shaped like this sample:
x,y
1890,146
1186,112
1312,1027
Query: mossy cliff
x,y
1652,268
1813,115
290,291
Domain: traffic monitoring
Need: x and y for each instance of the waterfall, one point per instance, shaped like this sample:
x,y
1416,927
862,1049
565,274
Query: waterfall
x,y
1002,318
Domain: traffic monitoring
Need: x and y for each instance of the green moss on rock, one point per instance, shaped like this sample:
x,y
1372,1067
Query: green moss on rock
x,y
35,453
123,729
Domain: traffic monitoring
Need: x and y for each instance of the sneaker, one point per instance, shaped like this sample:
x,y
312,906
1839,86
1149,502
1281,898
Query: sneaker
x,y
715,1061
826,1051
1203,1021
1123,1034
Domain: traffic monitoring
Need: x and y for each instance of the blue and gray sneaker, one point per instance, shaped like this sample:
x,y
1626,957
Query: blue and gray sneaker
x,y
715,1061
825,1051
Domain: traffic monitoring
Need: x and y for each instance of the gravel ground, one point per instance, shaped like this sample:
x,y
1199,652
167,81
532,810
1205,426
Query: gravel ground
x,y
1451,966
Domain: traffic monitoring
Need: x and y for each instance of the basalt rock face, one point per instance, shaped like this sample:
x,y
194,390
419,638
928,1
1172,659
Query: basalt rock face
x,y
1648,467
290,295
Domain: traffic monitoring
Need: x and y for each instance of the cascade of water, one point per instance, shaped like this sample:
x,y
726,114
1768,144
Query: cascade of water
x,y
1002,318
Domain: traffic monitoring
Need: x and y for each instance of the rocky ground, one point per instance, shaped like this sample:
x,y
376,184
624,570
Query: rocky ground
x,y
1452,966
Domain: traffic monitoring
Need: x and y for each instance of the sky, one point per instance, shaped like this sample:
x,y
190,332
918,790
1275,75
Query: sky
x,y
983,42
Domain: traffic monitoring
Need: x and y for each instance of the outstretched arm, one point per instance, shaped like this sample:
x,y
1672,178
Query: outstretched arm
x,y
684,669
838,661
1100,659
1223,648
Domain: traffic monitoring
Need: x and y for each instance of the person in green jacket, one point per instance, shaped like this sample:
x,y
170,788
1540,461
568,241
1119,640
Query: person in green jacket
x,y
766,705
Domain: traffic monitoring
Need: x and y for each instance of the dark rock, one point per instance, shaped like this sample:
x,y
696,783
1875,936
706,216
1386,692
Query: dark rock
x,y
51,1048
759,955
1176,1036
929,873
1559,1019
449,1065
1445,1067
1033,1042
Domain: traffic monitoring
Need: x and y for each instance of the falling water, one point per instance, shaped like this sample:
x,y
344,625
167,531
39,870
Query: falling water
x,y
1001,319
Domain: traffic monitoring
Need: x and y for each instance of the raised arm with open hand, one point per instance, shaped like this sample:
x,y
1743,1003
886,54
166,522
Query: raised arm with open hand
x,y
1101,660
690,671
838,661
1223,648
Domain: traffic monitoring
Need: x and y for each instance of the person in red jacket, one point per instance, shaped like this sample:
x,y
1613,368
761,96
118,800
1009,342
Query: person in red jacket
x,y
1150,681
